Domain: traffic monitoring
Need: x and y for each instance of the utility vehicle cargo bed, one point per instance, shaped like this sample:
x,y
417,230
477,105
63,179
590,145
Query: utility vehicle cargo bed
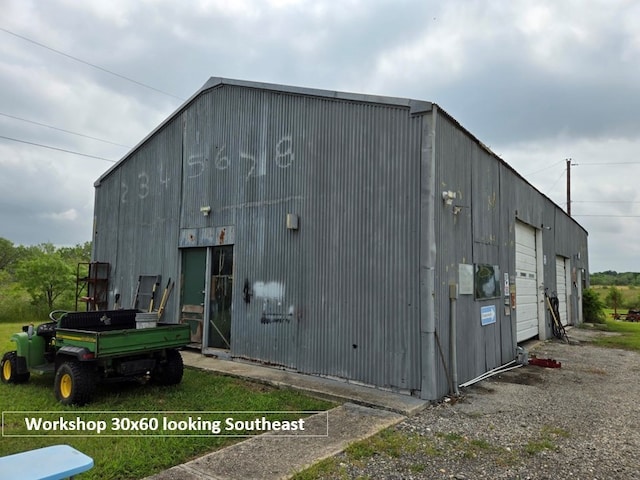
x,y
114,333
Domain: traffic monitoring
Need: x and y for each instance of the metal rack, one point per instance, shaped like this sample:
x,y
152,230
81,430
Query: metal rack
x,y
92,285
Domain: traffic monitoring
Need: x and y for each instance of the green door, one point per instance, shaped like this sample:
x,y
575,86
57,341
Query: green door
x,y
192,290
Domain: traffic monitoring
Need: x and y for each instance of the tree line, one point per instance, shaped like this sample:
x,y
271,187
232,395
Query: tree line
x,y
611,277
37,279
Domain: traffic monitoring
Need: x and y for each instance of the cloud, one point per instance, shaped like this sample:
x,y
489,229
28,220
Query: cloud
x,y
514,72
66,216
538,82
604,201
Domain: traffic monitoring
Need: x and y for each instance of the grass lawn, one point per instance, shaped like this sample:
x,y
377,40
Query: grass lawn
x,y
629,338
136,457
6,329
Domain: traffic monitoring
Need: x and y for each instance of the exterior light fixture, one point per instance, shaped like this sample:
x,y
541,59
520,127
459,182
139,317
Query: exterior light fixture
x,y
205,210
448,197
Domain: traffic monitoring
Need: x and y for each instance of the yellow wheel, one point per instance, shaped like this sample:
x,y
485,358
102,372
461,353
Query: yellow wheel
x,y
66,385
9,369
74,383
6,371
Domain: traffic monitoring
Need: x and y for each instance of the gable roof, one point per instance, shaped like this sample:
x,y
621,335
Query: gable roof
x,y
415,106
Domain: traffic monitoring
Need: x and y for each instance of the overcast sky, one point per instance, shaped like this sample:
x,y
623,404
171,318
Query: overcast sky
x,y
537,81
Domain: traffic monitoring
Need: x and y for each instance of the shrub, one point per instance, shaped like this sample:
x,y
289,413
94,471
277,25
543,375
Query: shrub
x,y
592,307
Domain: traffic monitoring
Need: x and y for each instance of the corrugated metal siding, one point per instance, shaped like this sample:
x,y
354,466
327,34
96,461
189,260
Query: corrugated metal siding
x,y
474,235
491,196
455,156
137,216
487,210
105,231
348,277
340,296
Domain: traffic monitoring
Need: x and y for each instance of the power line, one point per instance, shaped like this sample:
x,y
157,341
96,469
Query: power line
x,y
610,163
92,65
544,169
557,180
63,130
610,216
603,201
58,149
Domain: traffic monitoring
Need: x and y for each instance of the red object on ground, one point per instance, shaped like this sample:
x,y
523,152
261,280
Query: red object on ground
x,y
545,362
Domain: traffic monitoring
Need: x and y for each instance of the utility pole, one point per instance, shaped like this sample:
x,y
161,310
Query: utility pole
x,y
569,163
569,186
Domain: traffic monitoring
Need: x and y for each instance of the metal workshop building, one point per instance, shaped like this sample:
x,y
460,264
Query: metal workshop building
x,y
325,232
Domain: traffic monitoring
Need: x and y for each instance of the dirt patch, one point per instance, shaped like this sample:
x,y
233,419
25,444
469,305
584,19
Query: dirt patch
x,y
577,421
529,375
587,334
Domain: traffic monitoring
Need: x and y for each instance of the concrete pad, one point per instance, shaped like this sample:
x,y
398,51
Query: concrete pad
x,y
273,456
316,386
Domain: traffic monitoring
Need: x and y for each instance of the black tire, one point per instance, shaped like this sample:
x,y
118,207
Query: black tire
x,y
9,369
74,383
170,370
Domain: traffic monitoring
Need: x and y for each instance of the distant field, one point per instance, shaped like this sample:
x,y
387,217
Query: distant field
x,y
630,294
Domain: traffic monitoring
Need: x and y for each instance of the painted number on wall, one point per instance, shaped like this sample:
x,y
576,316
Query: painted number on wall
x,y
255,165
196,165
142,187
284,152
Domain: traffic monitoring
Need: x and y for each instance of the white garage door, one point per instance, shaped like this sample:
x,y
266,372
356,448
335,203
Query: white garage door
x,y
561,289
526,283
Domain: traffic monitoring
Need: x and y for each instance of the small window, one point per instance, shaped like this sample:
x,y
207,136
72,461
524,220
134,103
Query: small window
x,y
487,281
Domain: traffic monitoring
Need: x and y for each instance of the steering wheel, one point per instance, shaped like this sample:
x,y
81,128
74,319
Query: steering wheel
x,y
59,313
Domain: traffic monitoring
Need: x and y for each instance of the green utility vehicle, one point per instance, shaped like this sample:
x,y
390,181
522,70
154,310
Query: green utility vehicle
x,y
86,348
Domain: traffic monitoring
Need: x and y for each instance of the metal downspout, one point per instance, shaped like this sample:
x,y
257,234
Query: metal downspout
x,y
429,386
453,351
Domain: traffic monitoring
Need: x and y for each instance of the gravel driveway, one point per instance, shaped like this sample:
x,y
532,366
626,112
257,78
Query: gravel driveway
x,y
581,421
